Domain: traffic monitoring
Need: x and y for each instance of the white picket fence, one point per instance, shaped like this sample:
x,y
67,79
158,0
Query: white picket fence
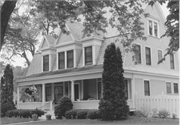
x,y
159,102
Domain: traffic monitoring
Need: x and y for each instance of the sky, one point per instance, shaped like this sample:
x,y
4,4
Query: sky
x,y
21,62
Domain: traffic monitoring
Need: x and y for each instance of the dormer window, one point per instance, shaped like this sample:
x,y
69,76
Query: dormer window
x,y
61,60
46,63
88,55
70,61
153,28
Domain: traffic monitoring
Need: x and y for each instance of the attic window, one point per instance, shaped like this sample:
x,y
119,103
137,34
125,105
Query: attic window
x,y
46,63
88,55
70,59
153,27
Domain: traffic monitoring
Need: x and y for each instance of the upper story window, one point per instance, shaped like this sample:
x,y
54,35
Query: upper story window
x,y
138,54
176,88
88,55
46,63
148,56
171,61
70,62
159,55
168,87
153,28
61,60
146,88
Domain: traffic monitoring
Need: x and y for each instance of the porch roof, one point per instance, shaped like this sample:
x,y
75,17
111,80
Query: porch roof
x,y
63,71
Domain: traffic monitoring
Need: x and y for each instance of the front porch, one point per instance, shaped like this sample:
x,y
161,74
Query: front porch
x,y
85,94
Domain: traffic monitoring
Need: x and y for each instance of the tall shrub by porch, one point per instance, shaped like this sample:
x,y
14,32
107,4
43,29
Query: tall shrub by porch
x,y
113,105
7,89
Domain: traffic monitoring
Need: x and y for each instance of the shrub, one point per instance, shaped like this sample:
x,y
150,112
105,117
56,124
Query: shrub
x,y
25,113
93,114
163,113
64,105
138,113
113,105
72,114
81,114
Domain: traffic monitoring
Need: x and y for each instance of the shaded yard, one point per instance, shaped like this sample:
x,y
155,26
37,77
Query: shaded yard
x,y
6,120
130,121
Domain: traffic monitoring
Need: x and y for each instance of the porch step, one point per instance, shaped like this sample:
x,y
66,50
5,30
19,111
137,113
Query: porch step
x,y
50,112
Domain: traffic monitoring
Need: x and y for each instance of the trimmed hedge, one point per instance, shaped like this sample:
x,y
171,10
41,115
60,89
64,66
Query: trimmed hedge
x,y
25,113
82,114
93,114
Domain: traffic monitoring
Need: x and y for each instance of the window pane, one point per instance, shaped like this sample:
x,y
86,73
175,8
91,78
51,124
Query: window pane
x,y
150,27
148,56
70,59
61,64
176,88
138,54
48,93
155,29
46,63
171,61
168,87
88,55
146,88
159,55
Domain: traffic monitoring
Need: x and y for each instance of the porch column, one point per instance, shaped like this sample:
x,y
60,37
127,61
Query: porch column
x,y
72,91
18,97
52,91
43,94
133,91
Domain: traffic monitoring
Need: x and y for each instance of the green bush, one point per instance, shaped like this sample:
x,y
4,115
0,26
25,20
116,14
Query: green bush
x,y
63,105
71,113
93,114
81,114
25,113
163,113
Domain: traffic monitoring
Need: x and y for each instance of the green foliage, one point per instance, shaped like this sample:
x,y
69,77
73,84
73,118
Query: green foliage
x,y
93,114
7,91
81,114
25,113
113,105
163,113
71,114
63,105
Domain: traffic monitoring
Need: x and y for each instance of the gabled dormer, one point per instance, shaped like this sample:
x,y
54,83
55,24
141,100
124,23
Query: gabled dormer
x,y
48,53
68,46
91,47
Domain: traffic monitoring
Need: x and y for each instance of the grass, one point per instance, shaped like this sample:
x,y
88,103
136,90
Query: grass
x,y
6,120
130,121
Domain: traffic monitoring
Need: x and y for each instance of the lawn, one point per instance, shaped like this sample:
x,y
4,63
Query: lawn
x,y
130,121
6,120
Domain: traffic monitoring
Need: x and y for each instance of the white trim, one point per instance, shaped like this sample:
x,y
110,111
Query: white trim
x,y
142,62
155,20
93,55
65,55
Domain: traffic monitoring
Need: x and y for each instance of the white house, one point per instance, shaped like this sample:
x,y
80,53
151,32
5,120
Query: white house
x,y
72,66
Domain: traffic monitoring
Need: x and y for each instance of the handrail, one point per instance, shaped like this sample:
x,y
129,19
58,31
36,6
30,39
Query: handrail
x,y
43,106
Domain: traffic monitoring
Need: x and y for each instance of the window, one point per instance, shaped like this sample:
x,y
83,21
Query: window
x,y
146,88
138,54
176,88
46,63
153,28
159,55
168,87
70,63
171,61
61,63
48,93
150,28
148,56
88,55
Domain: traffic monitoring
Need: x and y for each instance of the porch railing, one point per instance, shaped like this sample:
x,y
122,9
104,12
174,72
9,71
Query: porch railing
x,y
46,106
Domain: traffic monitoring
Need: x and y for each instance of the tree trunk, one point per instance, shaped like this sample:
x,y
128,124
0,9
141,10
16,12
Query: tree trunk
x,y
6,10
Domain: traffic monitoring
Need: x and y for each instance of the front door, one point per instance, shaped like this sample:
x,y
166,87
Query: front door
x,y
58,93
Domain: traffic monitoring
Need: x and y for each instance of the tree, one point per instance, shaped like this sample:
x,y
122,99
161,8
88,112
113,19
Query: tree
x,y
113,105
7,90
172,24
6,10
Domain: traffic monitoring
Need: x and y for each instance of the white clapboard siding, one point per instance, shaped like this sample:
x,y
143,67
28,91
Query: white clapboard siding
x,y
159,102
